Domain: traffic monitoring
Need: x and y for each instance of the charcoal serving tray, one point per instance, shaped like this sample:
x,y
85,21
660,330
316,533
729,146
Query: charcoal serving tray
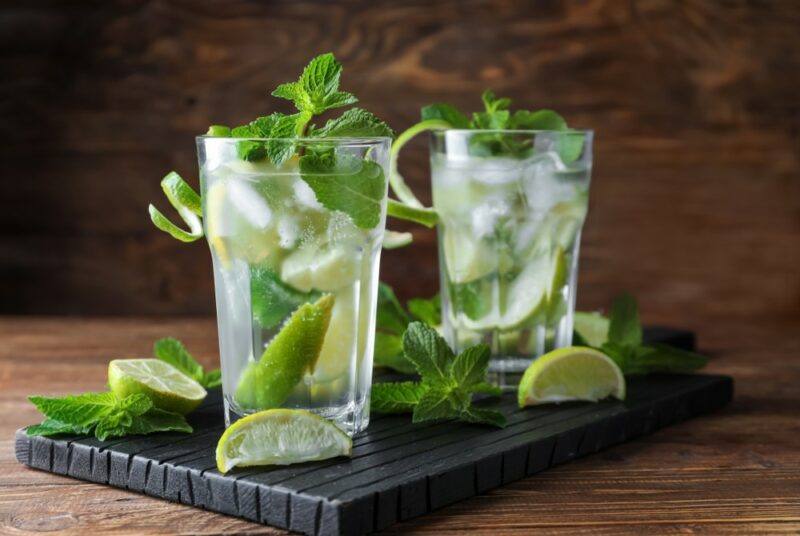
x,y
398,470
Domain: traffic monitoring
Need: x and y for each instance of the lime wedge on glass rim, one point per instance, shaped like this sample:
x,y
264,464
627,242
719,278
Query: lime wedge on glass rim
x,y
280,437
572,373
168,388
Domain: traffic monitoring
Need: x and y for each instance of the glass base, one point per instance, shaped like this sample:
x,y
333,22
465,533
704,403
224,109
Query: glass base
x,y
351,418
506,371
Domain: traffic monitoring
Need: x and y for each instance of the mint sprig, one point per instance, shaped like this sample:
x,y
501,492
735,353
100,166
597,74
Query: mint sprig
x,y
624,345
447,385
175,353
104,414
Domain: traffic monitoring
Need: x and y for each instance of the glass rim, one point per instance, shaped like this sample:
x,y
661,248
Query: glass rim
x,y
339,140
513,131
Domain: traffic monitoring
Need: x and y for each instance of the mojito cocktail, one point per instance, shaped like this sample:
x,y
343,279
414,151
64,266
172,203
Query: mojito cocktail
x,y
511,206
295,250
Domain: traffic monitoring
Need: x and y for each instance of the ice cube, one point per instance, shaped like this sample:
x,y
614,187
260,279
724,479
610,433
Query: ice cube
x,y
305,196
541,187
249,204
288,232
486,216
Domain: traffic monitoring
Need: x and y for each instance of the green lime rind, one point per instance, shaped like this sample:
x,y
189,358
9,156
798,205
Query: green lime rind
x,y
168,388
267,383
592,328
280,437
572,373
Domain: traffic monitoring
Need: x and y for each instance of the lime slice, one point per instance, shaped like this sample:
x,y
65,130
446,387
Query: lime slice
x,y
572,373
592,327
280,437
168,388
326,270
467,257
340,340
267,383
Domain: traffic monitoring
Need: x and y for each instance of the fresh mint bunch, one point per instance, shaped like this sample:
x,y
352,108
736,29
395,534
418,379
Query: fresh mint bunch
x,y
314,93
497,115
447,384
391,324
104,414
624,345
175,353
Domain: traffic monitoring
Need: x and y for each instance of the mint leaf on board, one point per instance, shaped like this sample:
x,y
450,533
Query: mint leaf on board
x,y
396,397
83,410
173,351
470,366
426,310
445,112
436,403
448,381
354,123
625,328
272,300
51,427
105,414
429,353
484,416
158,420
348,184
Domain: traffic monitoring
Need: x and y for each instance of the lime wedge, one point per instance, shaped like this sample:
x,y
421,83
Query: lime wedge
x,y
280,437
572,373
168,388
467,257
326,270
267,383
340,339
592,327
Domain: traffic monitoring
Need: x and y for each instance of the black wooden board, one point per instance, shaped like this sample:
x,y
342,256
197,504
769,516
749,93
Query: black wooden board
x,y
398,470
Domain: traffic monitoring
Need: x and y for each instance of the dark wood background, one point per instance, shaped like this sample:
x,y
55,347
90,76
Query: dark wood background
x,y
696,192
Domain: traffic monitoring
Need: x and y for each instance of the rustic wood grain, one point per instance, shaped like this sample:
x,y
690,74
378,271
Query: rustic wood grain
x,y
694,103
734,472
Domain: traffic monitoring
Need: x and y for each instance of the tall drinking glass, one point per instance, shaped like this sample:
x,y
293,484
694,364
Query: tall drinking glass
x,y
296,249
511,207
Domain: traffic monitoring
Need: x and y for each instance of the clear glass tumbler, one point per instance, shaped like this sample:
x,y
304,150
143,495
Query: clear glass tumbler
x,y
511,207
296,249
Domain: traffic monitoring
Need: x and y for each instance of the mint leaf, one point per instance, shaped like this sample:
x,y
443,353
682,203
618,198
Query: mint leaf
x,y
436,403
538,120
50,427
470,366
486,388
317,89
396,397
445,112
390,315
212,379
353,123
667,359
83,410
483,416
426,310
389,353
272,299
348,184
429,353
135,404
173,351
624,327
158,420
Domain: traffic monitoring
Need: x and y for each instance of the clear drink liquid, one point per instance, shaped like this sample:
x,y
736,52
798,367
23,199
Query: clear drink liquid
x,y
275,247
509,236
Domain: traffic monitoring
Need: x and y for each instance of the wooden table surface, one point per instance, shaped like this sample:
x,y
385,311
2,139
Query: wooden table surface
x,y
735,471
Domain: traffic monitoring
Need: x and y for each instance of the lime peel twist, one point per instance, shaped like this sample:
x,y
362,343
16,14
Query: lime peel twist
x,y
186,202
